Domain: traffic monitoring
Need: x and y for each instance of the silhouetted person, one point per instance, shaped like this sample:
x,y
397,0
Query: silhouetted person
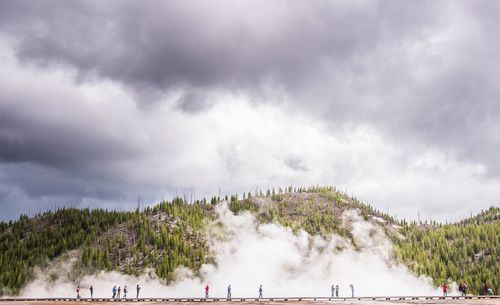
x,y
333,290
78,292
260,292
352,290
119,292
229,291
91,288
464,289
337,291
138,289
487,290
125,292
206,291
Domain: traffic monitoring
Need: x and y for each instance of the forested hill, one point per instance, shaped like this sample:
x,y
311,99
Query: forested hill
x,y
171,234
467,251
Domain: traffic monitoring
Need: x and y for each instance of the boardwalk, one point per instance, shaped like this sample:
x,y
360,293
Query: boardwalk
x,y
401,300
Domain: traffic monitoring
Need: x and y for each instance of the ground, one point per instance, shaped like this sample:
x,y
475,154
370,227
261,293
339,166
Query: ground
x,y
491,301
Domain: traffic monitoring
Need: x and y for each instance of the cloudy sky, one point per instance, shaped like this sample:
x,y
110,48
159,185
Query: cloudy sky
x,y
105,101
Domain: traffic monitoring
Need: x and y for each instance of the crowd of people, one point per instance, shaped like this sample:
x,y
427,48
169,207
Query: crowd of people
x,y
117,292
462,287
334,290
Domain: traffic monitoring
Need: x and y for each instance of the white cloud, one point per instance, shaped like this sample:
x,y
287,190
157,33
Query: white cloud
x,y
109,148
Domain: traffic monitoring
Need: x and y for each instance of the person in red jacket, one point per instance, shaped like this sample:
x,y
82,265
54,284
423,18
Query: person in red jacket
x,y
206,291
445,290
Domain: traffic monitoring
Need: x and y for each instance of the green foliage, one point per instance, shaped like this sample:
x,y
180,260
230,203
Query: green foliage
x,y
29,242
489,216
164,237
172,234
466,252
316,210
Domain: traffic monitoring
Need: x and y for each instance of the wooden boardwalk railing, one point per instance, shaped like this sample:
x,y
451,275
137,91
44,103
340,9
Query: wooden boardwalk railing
x,y
253,299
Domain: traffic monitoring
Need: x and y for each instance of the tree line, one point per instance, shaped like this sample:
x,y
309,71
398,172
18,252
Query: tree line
x,y
173,234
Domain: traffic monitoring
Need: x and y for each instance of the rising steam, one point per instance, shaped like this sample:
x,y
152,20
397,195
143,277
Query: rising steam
x,y
249,254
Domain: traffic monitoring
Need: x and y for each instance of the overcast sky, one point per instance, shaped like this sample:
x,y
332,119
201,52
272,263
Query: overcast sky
x,y
396,102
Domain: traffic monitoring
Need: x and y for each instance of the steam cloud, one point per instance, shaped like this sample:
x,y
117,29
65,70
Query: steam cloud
x,y
249,254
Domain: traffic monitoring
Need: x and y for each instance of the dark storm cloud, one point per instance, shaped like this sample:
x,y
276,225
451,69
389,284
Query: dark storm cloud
x,y
421,72
182,43
54,165
31,141
29,188
163,45
458,111
59,137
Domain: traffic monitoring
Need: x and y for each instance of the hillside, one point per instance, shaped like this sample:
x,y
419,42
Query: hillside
x,y
468,251
173,234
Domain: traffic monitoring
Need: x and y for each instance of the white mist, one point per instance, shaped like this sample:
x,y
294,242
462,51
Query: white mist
x,y
286,264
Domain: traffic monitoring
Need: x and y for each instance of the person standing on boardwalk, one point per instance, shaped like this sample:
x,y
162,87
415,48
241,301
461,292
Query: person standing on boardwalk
x,y
206,291
333,290
78,292
91,288
445,290
260,292
138,289
125,292
352,290
337,291
229,292
119,292
114,292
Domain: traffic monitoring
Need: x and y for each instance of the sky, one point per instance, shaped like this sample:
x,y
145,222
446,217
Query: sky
x,y
396,103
